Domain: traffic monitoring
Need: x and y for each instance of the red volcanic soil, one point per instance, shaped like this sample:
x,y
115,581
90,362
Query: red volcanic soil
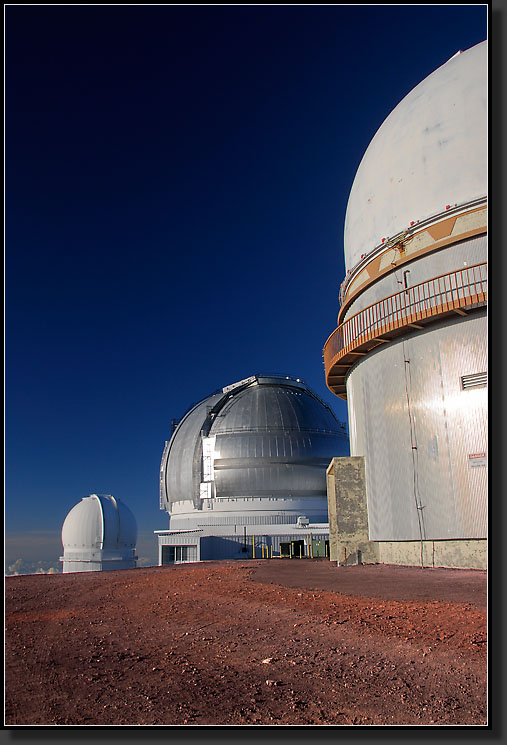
x,y
261,642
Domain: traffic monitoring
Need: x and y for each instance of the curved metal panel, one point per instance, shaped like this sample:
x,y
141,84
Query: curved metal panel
x,y
430,152
181,461
417,429
278,463
272,438
272,407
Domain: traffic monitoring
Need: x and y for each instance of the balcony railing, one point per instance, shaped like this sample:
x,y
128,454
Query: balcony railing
x,y
415,306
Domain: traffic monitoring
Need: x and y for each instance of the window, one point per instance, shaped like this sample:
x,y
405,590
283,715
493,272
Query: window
x,y
185,553
175,554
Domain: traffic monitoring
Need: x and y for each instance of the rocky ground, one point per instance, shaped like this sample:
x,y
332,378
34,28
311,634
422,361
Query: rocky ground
x,y
262,642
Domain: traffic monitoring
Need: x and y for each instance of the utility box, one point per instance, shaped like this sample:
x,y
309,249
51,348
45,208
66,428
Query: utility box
x,y
320,549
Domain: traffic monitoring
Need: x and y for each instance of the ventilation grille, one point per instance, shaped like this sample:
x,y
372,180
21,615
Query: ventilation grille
x,y
477,380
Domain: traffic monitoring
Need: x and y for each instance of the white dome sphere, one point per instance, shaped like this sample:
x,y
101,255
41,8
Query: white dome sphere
x,y
100,532
431,151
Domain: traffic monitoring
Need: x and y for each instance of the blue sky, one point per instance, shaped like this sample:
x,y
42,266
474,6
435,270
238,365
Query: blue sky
x,y
176,185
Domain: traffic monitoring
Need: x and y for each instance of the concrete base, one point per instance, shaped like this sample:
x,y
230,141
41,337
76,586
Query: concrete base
x,y
457,554
348,529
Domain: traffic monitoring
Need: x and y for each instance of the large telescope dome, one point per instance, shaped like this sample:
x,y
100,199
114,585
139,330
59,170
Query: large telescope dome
x,y
428,155
263,443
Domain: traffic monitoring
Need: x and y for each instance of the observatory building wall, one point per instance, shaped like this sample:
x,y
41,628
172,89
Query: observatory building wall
x,y
423,269
413,393
409,353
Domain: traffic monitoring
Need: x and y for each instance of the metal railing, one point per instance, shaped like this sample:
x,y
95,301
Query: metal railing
x,y
442,294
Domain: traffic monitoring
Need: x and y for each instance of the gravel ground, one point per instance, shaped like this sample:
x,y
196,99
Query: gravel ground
x,y
262,642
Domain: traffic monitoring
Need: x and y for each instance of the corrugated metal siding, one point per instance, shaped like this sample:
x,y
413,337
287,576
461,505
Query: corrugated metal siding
x,y
250,511
226,547
188,538
239,520
230,547
449,424
382,434
467,413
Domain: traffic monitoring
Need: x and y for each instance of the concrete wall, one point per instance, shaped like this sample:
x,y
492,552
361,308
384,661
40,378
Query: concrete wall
x,y
462,554
348,512
348,529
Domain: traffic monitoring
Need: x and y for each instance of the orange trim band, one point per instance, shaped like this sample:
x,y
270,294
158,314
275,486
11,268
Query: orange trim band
x,y
439,235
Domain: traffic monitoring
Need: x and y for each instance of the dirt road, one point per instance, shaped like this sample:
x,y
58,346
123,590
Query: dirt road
x,y
251,643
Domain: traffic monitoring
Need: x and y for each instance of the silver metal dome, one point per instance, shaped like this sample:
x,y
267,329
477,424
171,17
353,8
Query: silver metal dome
x,y
254,444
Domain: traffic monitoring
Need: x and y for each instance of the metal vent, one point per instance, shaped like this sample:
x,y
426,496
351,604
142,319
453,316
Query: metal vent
x,y
477,380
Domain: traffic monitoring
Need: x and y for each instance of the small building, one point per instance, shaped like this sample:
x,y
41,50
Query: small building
x,y
99,533
298,540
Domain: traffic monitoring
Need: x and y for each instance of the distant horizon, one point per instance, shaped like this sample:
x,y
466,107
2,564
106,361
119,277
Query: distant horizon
x,y
36,552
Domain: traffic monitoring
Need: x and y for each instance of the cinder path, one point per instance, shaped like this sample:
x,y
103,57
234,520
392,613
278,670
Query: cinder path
x,y
379,581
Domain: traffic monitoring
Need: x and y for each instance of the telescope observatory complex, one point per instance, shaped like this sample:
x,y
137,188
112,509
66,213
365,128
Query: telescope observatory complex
x,y
244,473
409,351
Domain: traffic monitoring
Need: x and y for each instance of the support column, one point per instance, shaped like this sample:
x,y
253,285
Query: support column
x,y
348,513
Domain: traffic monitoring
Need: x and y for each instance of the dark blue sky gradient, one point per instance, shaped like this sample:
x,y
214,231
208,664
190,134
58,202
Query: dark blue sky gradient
x,y
177,180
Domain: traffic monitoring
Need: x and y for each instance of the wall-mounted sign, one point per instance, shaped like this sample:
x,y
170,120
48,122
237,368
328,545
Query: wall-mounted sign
x,y
476,459
206,490
208,455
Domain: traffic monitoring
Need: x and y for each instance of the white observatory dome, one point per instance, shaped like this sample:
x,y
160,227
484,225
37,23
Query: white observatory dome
x,y
430,152
100,532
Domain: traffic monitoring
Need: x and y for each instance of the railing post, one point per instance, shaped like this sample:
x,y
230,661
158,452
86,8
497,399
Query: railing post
x,y
426,299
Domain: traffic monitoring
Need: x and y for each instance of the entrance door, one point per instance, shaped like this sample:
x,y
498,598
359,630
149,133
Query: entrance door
x,y
167,554
298,549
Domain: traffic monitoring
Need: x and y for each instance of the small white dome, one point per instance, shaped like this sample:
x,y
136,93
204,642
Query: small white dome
x,y
99,522
430,151
100,529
